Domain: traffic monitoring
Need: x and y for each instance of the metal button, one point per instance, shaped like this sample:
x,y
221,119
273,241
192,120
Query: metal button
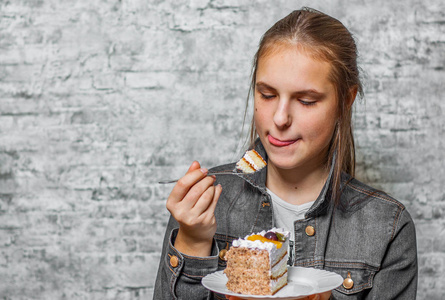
x,y
348,283
222,254
310,230
174,261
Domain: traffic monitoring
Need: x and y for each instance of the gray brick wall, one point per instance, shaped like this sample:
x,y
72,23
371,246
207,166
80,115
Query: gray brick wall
x,y
100,99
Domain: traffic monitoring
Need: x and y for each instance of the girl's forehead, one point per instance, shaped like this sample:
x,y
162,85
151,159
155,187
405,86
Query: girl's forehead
x,y
291,69
292,58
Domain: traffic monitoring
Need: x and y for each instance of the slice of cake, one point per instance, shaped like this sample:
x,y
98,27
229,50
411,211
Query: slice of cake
x,y
257,264
250,162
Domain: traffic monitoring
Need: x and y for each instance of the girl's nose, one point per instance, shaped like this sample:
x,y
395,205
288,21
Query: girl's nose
x,y
282,117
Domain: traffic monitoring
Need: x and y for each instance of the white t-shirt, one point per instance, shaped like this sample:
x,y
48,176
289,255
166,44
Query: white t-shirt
x,y
285,213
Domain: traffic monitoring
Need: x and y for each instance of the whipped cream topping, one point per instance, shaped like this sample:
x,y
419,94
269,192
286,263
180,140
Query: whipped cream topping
x,y
269,246
250,160
253,244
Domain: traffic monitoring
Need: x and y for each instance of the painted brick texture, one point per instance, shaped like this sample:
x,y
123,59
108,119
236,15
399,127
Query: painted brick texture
x,y
101,99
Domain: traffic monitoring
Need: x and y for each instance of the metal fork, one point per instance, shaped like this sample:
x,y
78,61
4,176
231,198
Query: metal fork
x,y
208,174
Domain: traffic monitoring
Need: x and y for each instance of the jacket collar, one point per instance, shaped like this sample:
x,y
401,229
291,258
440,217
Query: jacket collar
x,y
258,180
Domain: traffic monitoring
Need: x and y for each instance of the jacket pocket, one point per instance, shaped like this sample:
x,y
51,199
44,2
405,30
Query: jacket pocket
x,y
356,276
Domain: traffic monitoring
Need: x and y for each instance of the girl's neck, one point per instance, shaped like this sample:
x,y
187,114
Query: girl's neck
x,y
296,186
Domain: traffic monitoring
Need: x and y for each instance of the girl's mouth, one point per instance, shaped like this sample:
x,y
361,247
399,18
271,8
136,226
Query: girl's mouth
x,y
279,143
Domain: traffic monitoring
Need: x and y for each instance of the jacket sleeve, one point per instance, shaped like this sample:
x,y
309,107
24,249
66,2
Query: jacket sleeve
x,y
182,280
397,278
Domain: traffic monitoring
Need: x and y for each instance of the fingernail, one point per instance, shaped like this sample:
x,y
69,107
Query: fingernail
x,y
204,170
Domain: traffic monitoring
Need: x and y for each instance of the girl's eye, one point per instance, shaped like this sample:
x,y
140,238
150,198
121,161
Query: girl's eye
x,y
267,97
307,103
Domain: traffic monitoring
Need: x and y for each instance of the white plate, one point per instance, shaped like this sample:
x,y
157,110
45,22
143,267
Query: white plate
x,y
301,282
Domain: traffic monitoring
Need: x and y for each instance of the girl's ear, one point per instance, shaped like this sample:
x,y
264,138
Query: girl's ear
x,y
352,94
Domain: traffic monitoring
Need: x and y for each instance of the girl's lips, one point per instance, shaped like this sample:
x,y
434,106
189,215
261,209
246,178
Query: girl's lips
x,y
279,143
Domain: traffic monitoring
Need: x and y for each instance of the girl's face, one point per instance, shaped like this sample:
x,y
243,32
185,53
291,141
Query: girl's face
x,y
295,108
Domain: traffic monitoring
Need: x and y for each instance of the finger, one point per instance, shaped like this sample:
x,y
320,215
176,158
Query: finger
x,y
210,212
325,295
196,192
218,191
184,184
205,200
194,166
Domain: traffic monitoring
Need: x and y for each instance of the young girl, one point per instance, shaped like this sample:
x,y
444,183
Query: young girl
x,y
305,80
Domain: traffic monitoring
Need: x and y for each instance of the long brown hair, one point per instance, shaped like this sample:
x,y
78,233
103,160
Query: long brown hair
x,y
324,38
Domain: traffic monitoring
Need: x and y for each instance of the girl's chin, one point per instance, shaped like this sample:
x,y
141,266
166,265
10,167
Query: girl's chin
x,y
283,164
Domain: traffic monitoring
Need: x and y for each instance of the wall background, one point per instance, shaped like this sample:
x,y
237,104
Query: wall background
x,y
101,99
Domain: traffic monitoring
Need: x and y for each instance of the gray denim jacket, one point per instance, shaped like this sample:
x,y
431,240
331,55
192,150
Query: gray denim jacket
x,y
370,236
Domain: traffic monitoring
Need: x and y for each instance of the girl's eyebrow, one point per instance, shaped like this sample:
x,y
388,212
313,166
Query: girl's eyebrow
x,y
309,92
262,85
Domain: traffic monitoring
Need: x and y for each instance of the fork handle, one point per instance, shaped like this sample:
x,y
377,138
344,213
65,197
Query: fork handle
x,y
208,174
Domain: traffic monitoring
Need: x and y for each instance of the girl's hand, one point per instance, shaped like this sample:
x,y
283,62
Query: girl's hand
x,y
192,203
321,296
